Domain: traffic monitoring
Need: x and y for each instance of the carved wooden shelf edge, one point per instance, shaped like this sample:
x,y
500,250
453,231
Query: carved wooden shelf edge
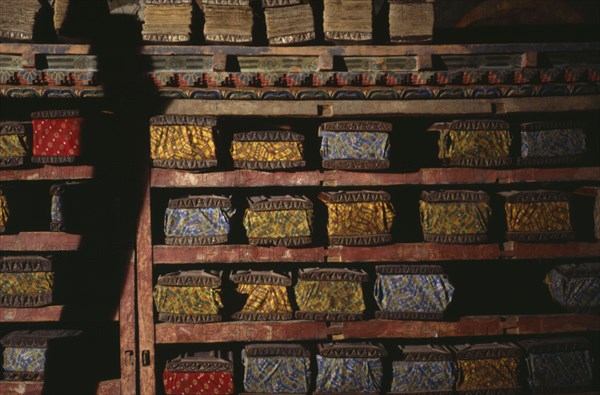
x,y
40,241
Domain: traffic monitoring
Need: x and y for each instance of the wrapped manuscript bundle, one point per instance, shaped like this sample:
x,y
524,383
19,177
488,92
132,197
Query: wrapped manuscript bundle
x,y
279,220
56,136
76,207
576,287
14,144
198,220
26,352
227,21
330,294
358,217
425,369
559,365
267,296
267,150
188,297
455,216
289,21
183,142
412,292
492,368
552,143
4,212
478,143
350,368
199,373
276,368
26,281
167,21
348,20
411,21
538,216
18,19
355,145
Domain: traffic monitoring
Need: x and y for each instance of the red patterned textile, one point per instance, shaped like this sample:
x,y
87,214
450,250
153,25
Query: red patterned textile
x,y
198,383
57,136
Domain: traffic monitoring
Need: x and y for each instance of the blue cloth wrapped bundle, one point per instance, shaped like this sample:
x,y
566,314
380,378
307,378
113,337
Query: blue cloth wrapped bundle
x,y
576,287
550,142
424,369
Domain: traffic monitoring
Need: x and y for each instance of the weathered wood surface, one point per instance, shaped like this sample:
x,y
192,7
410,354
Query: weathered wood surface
x,y
40,241
55,314
235,253
48,173
107,387
127,337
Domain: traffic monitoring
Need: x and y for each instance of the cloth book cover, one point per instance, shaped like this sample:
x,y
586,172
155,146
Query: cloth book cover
x,y
411,21
552,142
455,216
412,292
358,217
533,216
26,281
355,145
227,21
4,212
424,369
330,294
267,295
576,287
56,136
348,20
188,297
76,207
18,19
492,367
474,143
199,374
267,150
183,142
559,365
289,21
350,368
276,368
15,144
279,220
167,21
26,352
198,220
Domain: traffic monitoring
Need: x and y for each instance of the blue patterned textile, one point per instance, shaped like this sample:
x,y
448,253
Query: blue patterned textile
x,y
276,374
190,222
574,292
552,143
421,376
560,369
360,375
354,145
424,293
24,359
56,209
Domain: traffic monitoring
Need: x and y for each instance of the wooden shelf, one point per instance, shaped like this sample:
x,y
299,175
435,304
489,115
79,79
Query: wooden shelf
x,y
55,314
165,178
107,387
48,173
40,241
310,330
235,253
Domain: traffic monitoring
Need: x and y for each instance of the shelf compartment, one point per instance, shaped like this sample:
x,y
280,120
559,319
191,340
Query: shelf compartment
x,y
163,178
55,314
235,254
48,173
40,241
107,387
310,330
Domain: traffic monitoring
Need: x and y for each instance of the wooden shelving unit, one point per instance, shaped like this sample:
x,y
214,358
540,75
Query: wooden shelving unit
x,y
108,387
54,313
40,241
82,172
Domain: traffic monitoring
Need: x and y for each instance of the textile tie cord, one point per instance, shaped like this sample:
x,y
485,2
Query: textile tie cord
x,y
413,293
330,296
187,300
169,142
265,298
356,219
538,216
276,374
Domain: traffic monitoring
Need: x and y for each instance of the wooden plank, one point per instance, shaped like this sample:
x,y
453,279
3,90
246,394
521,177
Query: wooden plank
x,y
21,387
350,50
40,241
55,314
127,335
316,108
236,178
110,387
552,250
235,254
48,173
371,329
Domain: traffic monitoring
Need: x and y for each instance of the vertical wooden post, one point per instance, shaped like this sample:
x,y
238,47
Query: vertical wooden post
x,y
127,319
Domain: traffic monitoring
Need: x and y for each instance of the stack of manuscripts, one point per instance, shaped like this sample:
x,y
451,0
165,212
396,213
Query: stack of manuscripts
x,y
289,21
227,21
167,20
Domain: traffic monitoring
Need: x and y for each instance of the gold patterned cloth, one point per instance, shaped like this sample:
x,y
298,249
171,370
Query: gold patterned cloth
x,y
26,283
538,216
330,296
488,373
266,151
4,212
13,145
265,298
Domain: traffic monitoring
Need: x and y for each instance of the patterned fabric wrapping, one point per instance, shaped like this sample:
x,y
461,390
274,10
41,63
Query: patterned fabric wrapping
x,y
56,136
14,144
56,209
450,220
423,376
366,219
194,222
198,383
267,150
354,145
488,373
185,142
4,212
575,287
276,374
330,296
18,359
555,140
280,224
560,369
597,214
265,298
25,285
418,295
360,375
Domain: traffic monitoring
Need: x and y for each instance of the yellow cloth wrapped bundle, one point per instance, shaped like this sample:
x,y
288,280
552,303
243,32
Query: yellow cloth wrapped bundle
x,y
4,212
26,281
267,296
267,150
